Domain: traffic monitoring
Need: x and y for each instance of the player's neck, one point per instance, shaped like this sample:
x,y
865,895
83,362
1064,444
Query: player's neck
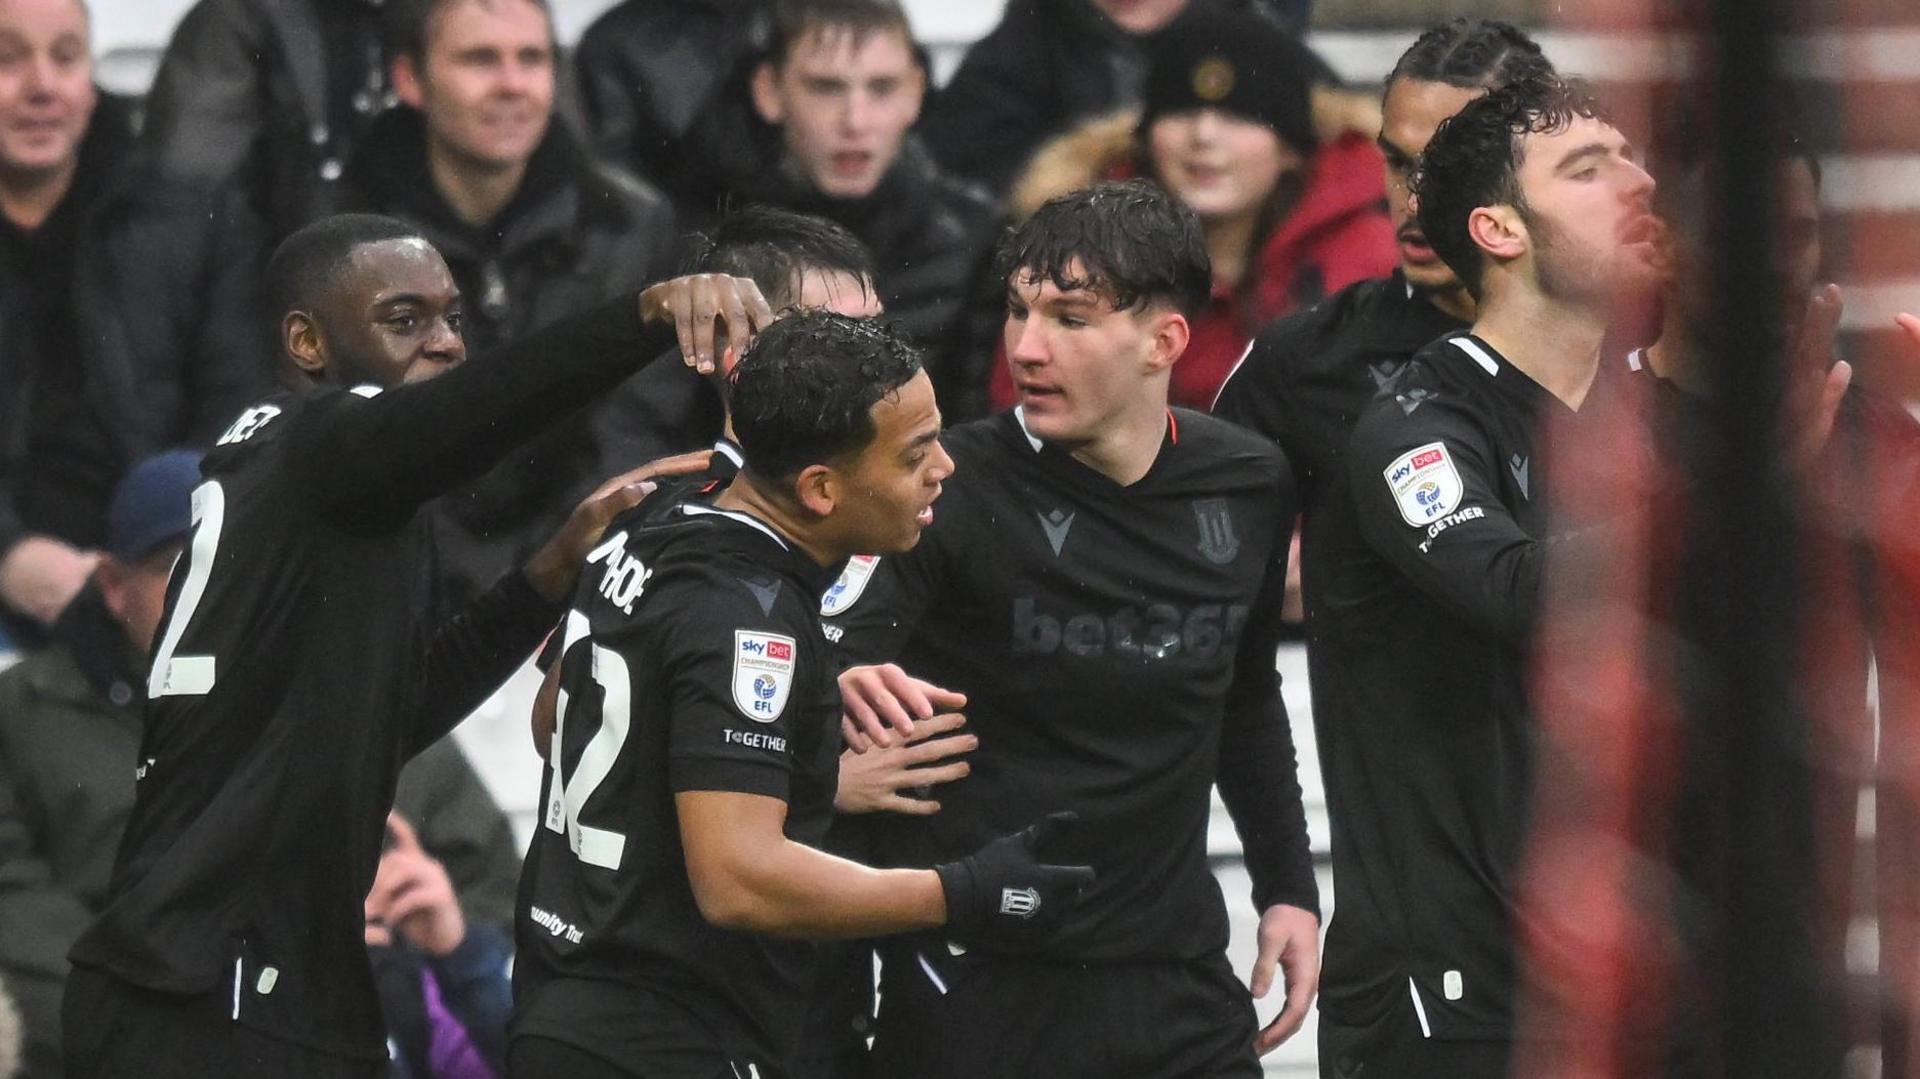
x,y
1456,303
1126,447
744,495
1556,344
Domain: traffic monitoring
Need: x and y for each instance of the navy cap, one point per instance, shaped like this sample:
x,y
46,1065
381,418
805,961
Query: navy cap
x,y
153,504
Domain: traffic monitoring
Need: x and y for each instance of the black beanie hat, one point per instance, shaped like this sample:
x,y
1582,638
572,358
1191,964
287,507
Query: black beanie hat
x,y
1213,57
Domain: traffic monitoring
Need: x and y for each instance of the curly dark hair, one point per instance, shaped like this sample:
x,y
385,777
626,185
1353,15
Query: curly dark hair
x,y
1471,53
1474,161
1135,245
804,392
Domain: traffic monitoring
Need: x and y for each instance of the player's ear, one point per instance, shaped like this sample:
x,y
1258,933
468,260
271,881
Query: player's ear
x,y
1169,334
1499,231
406,81
766,95
300,340
817,489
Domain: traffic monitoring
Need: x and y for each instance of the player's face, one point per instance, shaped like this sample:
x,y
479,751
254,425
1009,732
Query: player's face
x,y
1141,16
1410,115
46,86
393,316
897,477
841,293
1590,225
1221,165
485,83
1077,363
843,103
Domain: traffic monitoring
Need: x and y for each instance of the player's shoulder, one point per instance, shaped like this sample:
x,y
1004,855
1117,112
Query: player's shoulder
x,y
1299,338
1222,444
1431,397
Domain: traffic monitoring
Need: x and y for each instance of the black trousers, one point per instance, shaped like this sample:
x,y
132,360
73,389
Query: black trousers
x,y
1394,1048
534,1057
980,1017
114,1030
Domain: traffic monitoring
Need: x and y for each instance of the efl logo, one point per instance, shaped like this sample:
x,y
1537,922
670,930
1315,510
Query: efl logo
x,y
1019,902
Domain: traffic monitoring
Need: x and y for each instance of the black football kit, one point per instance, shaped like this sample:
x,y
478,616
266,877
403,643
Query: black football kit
x,y
300,662
1449,480
693,661
1116,645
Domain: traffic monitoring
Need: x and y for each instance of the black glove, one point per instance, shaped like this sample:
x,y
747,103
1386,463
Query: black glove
x,y
1004,892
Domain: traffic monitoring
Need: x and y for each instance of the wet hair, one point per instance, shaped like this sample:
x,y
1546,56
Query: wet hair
x,y
307,262
1134,244
1474,161
775,248
1472,53
406,23
795,20
804,392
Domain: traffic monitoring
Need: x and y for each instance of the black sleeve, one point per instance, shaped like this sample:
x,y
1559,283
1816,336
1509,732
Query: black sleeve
x,y
370,461
1426,490
1259,771
1255,394
476,650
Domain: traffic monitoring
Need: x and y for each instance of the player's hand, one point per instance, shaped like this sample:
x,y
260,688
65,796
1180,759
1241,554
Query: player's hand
x,y
412,897
40,576
872,782
1289,940
1817,381
712,314
1003,891
878,700
555,567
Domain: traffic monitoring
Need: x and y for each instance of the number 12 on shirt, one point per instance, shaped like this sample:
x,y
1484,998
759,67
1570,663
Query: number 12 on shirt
x,y
568,794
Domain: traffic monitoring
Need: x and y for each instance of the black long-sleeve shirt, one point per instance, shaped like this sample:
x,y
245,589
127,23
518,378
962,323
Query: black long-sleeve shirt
x,y
1116,645
301,660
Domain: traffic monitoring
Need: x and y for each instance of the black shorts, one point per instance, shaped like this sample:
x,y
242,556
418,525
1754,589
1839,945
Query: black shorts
x,y
113,1029
981,1017
576,1028
1393,1047
534,1057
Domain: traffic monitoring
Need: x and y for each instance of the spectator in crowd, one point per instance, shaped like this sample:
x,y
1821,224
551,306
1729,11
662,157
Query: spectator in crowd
x,y
1228,129
533,229
442,978
1052,64
70,728
838,90
124,308
663,87
273,95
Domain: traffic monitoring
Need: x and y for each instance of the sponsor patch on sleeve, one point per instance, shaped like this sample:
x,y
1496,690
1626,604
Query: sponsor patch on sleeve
x,y
762,674
1425,484
853,581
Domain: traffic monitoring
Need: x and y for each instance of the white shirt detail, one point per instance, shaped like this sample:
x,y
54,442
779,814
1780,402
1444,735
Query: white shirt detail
x,y
1020,417
1478,354
931,975
692,510
365,389
1232,371
1636,360
1419,1009
731,452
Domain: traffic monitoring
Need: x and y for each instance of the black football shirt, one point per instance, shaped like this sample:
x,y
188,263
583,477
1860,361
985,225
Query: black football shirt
x,y
301,660
1450,482
693,661
1116,645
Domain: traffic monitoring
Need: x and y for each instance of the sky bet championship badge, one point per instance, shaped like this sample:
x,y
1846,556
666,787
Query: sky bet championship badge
x,y
853,581
762,673
1425,484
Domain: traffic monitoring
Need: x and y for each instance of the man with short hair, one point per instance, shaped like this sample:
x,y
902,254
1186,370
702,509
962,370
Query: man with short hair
x,y
124,310
695,756
533,229
1103,583
1303,383
303,656
1540,207
839,89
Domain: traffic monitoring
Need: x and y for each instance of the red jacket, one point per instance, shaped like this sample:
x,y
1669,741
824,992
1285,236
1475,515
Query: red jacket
x,y
1338,233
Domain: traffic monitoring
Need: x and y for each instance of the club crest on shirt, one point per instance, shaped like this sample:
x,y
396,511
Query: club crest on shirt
x,y
1218,543
853,581
1425,484
762,674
